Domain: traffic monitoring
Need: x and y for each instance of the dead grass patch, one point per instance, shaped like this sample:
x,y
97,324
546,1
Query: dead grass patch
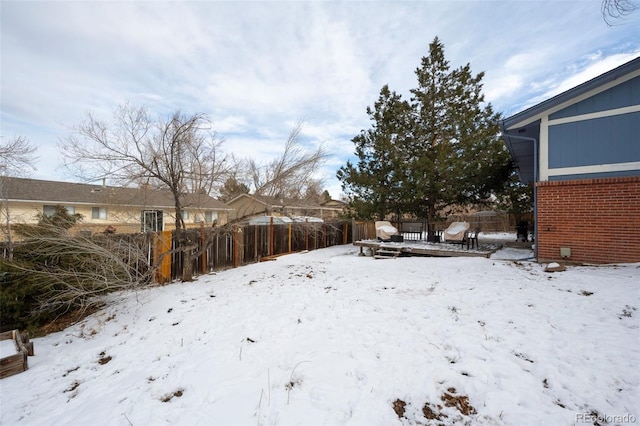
x,y
460,402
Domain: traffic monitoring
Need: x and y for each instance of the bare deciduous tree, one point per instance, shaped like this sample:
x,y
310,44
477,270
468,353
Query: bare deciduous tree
x,y
315,191
181,154
614,10
290,174
209,167
16,158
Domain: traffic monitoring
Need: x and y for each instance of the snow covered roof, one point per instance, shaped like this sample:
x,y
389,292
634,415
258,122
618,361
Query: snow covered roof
x,y
266,220
279,220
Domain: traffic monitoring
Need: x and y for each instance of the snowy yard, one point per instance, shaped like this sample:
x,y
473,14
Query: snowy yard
x,y
7,348
333,338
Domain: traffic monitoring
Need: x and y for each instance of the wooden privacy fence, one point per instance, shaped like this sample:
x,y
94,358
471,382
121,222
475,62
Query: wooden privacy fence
x,y
187,253
204,250
364,231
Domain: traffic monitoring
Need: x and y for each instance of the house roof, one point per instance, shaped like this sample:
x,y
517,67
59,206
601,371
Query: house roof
x,y
65,193
521,131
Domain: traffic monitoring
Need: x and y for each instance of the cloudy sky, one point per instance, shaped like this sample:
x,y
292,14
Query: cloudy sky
x,y
257,67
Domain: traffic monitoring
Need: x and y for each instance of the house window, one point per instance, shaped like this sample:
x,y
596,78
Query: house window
x,y
210,216
185,215
151,220
98,213
50,211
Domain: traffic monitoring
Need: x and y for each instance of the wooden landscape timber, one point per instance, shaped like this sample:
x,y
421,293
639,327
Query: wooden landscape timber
x,y
17,363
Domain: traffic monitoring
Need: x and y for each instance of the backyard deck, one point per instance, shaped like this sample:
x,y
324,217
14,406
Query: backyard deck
x,y
381,249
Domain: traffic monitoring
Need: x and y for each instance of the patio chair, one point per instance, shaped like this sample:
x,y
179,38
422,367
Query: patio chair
x,y
456,232
385,231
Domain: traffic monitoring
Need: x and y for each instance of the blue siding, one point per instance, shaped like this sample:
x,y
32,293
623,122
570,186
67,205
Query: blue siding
x,y
606,140
622,95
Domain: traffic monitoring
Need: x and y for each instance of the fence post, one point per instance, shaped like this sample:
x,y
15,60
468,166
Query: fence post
x,y
162,246
271,230
256,245
324,235
345,229
235,246
306,235
289,238
203,256
315,237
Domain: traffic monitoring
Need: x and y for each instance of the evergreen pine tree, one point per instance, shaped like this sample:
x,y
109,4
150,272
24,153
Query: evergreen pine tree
x,y
232,188
439,150
456,155
375,181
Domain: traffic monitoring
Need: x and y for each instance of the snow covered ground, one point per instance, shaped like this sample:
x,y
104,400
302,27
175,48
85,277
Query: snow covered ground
x,y
332,338
7,348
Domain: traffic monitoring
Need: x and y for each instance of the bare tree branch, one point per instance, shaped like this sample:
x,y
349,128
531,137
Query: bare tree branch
x,y
615,10
290,174
16,157
181,154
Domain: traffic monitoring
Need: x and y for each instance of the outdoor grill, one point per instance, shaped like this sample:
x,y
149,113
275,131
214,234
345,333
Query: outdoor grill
x,y
522,231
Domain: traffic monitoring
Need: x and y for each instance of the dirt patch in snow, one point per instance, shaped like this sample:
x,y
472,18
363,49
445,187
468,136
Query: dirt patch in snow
x,y
398,407
461,402
450,398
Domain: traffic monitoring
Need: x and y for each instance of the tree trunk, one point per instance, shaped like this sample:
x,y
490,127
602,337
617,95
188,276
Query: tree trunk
x,y
431,231
187,248
187,264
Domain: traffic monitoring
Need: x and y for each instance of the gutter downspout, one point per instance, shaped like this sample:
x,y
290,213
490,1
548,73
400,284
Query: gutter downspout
x,y
535,180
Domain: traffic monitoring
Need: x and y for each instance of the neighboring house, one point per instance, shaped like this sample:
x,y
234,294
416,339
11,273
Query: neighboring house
x,y
246,206
128,210
582,150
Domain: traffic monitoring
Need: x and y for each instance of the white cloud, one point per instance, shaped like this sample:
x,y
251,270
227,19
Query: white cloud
x,y
597,64
230,124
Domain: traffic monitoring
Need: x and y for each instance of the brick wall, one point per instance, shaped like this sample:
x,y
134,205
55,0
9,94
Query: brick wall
x,y
598,219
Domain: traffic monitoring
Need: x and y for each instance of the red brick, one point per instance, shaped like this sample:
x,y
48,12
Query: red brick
x,y
599,219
